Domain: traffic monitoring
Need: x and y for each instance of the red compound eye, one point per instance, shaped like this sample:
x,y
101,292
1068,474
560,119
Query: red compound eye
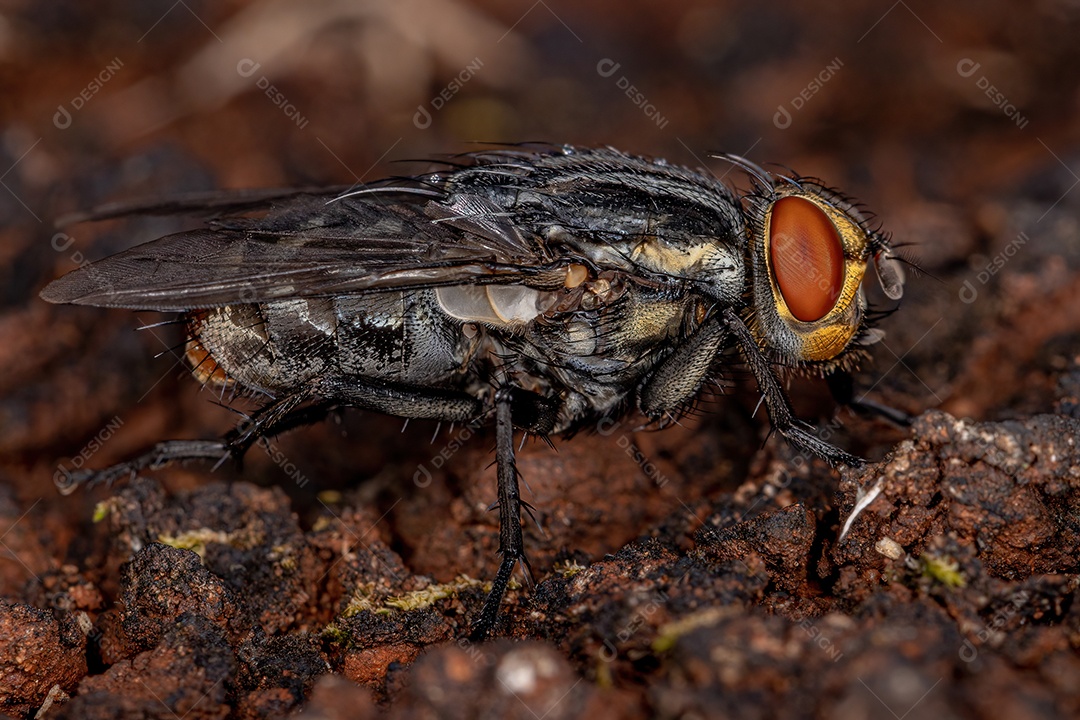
x,y
807,258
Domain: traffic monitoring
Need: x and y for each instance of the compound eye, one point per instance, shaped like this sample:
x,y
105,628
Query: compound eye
x,y
807,257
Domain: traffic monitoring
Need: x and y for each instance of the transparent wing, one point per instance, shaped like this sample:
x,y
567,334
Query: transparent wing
x,y
310,245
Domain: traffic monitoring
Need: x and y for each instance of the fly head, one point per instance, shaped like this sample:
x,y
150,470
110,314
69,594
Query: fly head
x,y
810,249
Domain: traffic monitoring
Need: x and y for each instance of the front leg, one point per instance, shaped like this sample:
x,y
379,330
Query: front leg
x,y
783,417
678,378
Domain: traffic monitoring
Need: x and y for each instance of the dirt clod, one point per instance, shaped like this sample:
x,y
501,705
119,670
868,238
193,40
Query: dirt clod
x,y
190,673
37,653
160,584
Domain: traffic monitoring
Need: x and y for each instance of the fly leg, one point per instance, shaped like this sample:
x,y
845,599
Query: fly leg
x,y
280,415
842,386
513,408
286,413
679,377
783,418
407,401
511,540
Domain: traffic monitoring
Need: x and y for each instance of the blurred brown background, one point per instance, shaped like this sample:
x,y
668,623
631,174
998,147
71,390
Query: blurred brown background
x,y
955,122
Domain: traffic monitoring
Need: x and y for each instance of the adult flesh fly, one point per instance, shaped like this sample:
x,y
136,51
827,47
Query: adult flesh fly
x,y
542,289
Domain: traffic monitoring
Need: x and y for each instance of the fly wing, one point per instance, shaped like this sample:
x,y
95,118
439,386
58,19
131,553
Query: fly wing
x,y
381,239
210,204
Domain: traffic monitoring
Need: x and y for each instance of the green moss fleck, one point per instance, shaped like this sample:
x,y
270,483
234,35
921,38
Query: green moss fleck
x,y
943,569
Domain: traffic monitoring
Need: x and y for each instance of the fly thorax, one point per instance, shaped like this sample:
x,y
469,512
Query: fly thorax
x,y
718,267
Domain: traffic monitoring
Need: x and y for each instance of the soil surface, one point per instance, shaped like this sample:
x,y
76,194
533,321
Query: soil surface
x,y
708,570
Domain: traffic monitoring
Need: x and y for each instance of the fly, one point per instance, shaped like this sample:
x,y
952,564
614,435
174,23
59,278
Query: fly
x,y
544,290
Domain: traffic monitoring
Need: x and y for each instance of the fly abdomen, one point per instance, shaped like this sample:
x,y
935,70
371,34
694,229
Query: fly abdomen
x,y
224,343
206,369
403,337
269,346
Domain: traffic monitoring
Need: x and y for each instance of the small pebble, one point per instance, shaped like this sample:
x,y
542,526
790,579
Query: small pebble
x,y
889,548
